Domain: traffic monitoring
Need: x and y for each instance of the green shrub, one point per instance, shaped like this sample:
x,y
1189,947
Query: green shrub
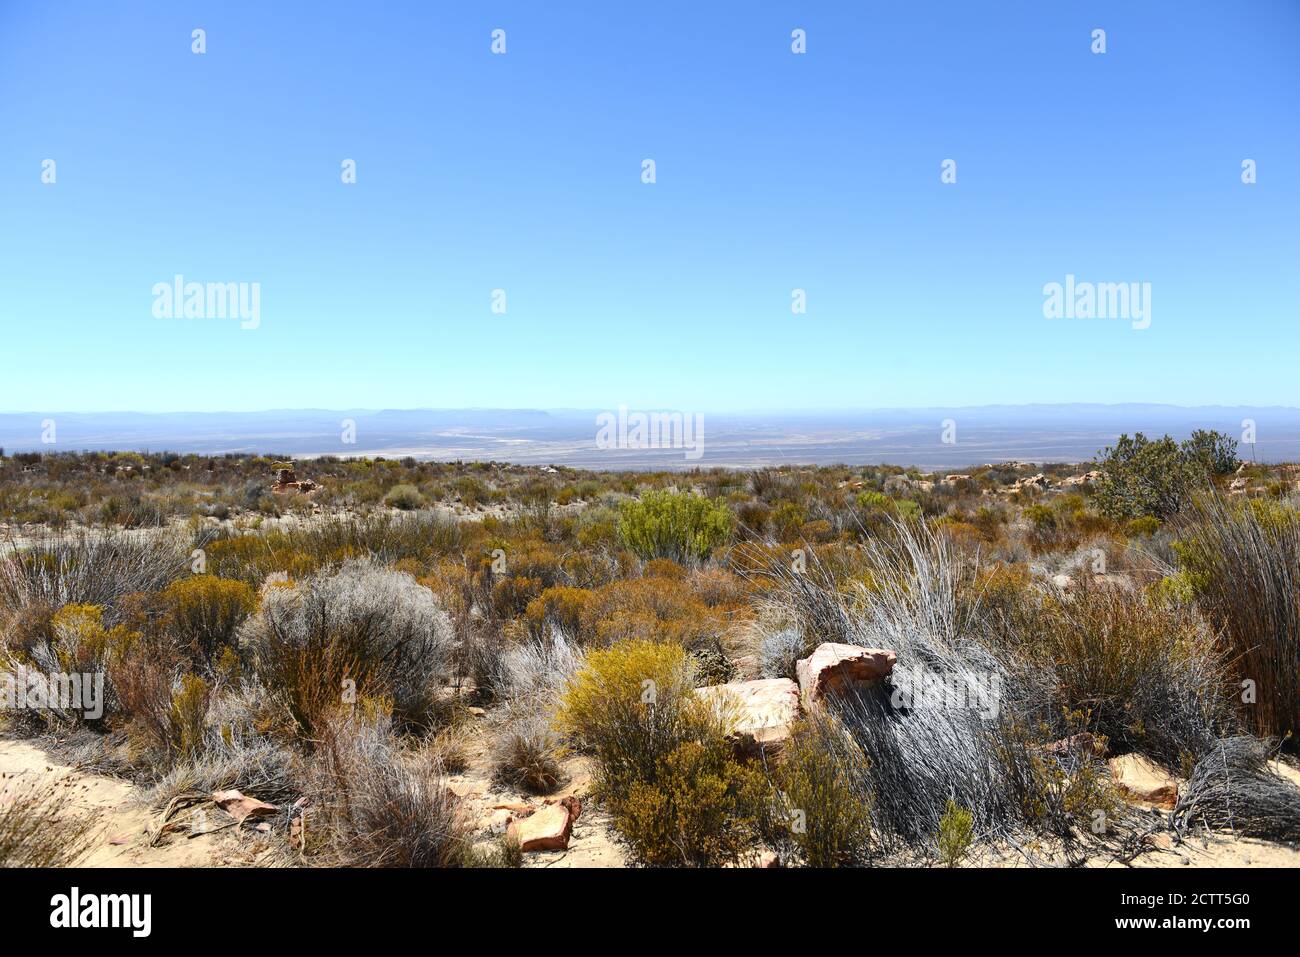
x,y
1143,527
703,808
404,497
677,525
956,833
1140,477
821,779
1213,452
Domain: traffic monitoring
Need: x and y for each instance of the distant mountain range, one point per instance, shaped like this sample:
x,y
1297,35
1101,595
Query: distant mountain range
x,y
1031,433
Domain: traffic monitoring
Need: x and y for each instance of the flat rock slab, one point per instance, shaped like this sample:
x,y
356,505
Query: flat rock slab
x,y
835,668
1141,781
548,828
765,710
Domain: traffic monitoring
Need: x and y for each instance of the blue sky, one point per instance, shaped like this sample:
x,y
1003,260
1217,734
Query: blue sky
x,y
522,172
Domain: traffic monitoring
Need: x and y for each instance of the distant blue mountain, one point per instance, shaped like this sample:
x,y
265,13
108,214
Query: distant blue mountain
x,y
1035,433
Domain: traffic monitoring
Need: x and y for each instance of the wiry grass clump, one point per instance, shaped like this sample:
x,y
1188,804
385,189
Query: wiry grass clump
x,y
952,723
526,755
40,827
1147,673
256,766
376,805
89,569
1243,566
1234,789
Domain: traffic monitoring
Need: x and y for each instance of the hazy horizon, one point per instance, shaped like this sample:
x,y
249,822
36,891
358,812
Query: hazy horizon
x,y
934,437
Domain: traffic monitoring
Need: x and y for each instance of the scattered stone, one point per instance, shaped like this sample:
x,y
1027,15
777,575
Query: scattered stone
x,y
835,668
1063,582
1143,782
1087,478
765,710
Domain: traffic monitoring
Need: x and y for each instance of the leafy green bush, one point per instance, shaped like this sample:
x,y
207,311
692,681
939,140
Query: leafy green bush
x,y
1157,478
677,525
1213,452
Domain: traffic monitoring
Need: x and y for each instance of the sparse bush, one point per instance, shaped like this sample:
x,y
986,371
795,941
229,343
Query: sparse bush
x,y
204,613
665,767
361,629
404,497
702,808
630,706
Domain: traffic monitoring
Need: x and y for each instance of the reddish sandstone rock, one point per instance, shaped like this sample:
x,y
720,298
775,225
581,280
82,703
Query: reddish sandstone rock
x,y
548,828
837,668
1141,781
763,711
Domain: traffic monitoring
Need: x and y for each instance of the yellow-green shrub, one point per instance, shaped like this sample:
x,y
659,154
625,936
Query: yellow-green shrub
x,y
203,613
677,525
829,808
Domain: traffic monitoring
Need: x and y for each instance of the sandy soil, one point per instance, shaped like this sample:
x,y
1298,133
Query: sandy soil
x,y
127,825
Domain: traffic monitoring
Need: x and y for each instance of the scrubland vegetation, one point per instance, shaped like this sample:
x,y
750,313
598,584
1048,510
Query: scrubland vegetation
x,y
330,652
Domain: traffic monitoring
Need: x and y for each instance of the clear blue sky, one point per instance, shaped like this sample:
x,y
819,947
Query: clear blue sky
x,y
522,172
